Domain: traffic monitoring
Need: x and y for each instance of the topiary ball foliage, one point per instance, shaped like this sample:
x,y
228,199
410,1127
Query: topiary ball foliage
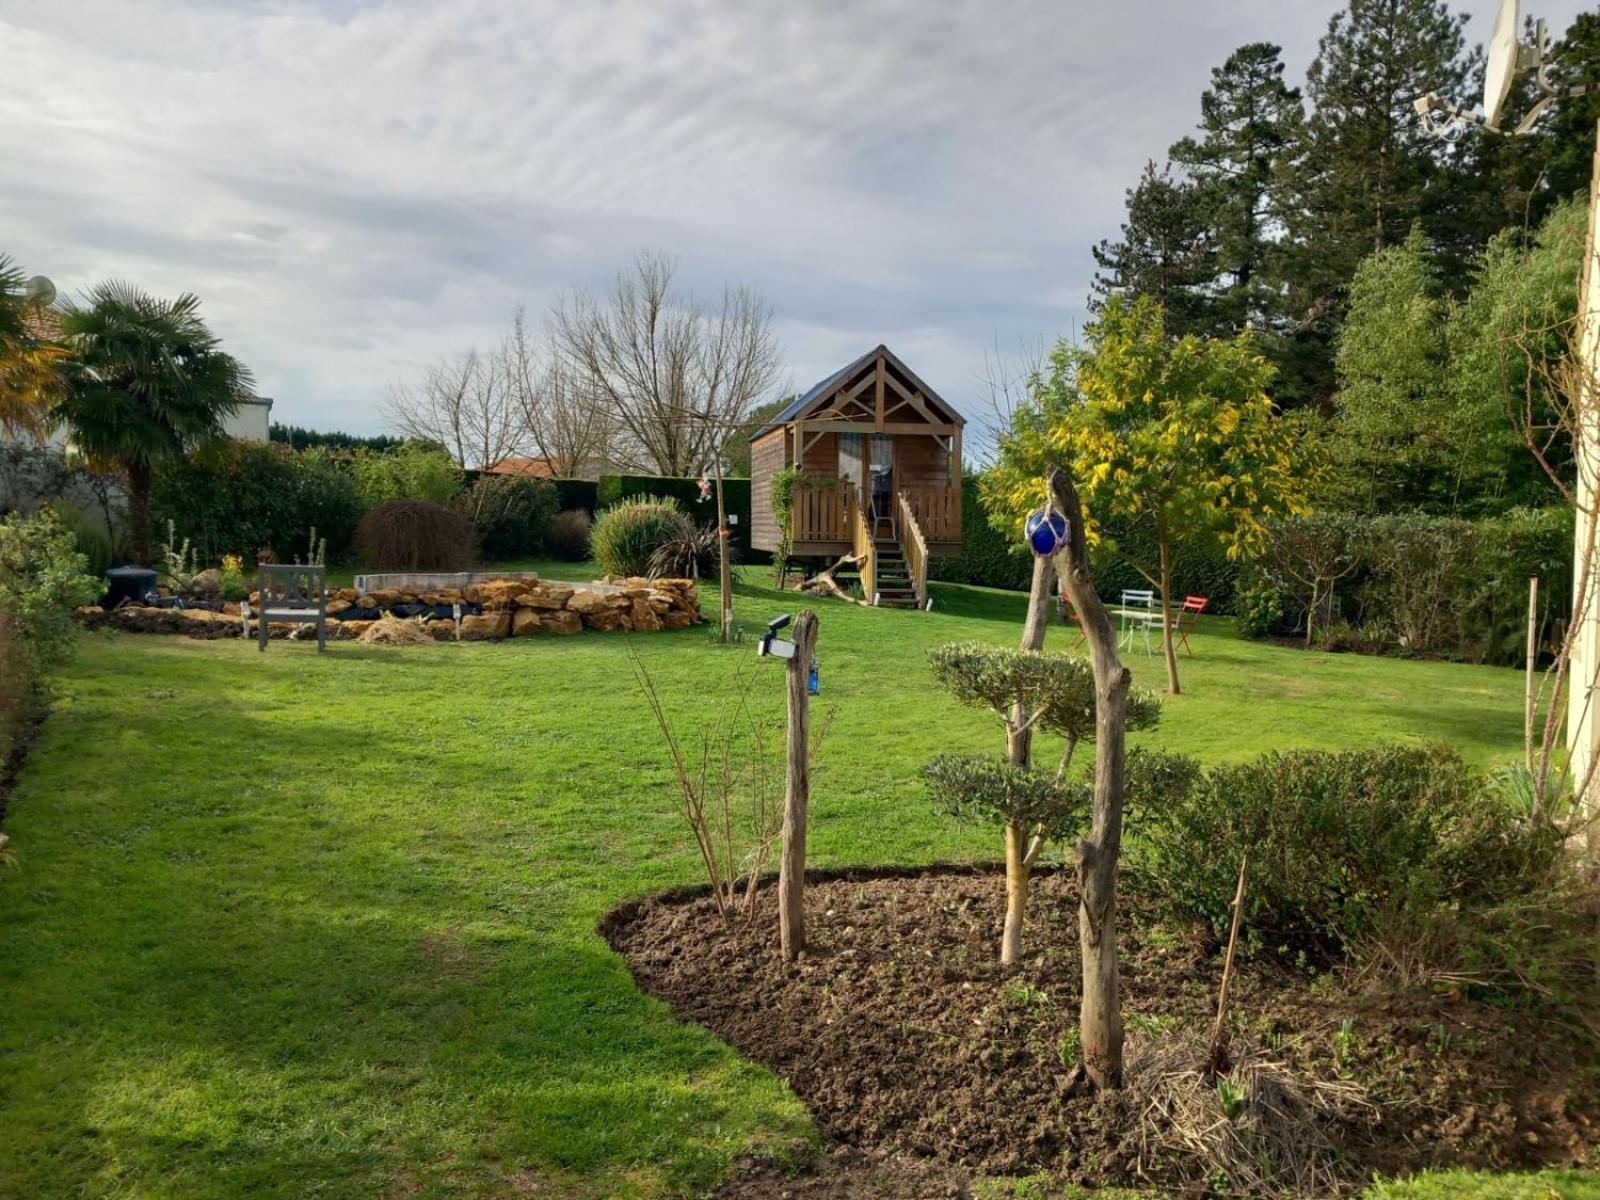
x,y
414,535
628,534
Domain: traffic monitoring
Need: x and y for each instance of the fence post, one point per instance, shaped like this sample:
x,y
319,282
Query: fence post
x,y
797,793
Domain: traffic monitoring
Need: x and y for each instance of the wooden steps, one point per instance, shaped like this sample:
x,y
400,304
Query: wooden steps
x,y
893,578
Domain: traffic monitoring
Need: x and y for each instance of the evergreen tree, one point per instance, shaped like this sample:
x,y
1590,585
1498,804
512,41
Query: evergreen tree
x,y
1572,124
1165,252
1249,121
1367,169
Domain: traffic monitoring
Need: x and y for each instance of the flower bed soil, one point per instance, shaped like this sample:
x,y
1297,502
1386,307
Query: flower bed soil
x,y
926,1064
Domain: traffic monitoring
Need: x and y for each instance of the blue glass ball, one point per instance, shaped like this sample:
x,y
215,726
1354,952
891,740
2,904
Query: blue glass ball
x,y
1046,532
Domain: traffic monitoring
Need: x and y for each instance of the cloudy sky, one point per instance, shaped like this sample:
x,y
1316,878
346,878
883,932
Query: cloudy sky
x,y
355,189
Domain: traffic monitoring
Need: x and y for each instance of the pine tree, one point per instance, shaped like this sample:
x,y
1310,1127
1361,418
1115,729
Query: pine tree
x,y
1164,253
1572,124
1368,169
1249,121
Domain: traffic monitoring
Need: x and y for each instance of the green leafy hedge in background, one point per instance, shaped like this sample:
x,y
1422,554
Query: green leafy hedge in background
x,y
238,497
511,514
736,495
991,558
577,494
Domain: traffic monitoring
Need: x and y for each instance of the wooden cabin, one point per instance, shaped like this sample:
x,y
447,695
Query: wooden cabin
x,y
880,456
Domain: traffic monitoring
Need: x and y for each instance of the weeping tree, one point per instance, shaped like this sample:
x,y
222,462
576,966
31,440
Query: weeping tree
x,y
147,381
1029,691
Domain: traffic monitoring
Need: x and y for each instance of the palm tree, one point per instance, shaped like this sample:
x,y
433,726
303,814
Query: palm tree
x,y
146,382
30,363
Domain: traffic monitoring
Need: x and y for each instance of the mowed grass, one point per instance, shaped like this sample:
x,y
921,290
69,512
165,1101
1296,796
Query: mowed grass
x,y
293,925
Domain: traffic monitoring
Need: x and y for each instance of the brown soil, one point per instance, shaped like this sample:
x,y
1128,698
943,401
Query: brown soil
x,y
926,1064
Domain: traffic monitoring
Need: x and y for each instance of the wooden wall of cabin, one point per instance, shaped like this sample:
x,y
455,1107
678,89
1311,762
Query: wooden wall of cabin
x,y
921,461
822,455
768,456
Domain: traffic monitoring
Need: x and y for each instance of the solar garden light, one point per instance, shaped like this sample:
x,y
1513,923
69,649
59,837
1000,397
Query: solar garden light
x,y
773,646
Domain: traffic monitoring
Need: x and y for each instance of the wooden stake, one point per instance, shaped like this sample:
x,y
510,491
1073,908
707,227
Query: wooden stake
x,y
797,793
1217,1055
1533,652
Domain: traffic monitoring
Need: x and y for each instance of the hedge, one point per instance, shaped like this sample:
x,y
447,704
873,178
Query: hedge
x,y
577,493
238,497
736,494
989,558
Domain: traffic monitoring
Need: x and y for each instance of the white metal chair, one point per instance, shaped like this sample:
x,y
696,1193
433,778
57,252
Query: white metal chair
x,y
1138,615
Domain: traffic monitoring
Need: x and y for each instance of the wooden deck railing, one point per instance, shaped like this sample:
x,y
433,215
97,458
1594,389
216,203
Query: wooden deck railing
x,y
821,512
937,510
861,545
915,547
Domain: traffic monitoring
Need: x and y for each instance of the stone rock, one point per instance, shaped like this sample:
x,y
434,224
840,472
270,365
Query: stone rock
x,y
562,622
348,595
484,627
541,600
606,618
615,600
335,607
207,583
352,630
498,593
677,619
384,598
441,596
442,631
525,621
585,601
645,619
681,585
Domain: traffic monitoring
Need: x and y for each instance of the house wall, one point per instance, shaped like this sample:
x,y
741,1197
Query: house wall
x,y
250,421
822,456
768,456
920,461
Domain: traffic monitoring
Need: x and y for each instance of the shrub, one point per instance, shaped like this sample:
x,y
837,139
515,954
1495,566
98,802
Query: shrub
x,y
42,578
511,514
612,489
240,497
577,493
1258,608
569,534
627,534
694,554
414,535
991,791
92,538
17,689
1344,848
412,471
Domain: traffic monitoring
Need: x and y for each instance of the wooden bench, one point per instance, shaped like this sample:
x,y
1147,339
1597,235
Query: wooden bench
x,y
294,594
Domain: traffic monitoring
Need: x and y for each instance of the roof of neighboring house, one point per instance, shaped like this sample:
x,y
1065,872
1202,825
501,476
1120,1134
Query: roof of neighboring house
x,y
43,322
821,391
516,464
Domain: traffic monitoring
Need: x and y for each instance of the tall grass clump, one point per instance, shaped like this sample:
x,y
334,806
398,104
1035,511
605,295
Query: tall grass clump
x,y
629,533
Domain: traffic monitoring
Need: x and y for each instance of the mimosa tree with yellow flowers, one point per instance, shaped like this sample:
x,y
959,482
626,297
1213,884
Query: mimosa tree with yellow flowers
x,y
1176,438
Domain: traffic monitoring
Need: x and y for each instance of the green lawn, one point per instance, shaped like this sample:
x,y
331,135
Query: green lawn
x,y
290,925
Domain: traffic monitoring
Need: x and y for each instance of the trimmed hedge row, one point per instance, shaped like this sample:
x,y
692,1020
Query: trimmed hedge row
x,y
612,489
577,493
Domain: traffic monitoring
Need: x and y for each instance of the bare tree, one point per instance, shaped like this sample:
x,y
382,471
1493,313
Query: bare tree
x,y
465,405
676,376
564,420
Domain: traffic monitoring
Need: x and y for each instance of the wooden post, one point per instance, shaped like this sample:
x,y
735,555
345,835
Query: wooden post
x,y
1527,686
725,605
1217,1054
1100,1010
797,793
1019,752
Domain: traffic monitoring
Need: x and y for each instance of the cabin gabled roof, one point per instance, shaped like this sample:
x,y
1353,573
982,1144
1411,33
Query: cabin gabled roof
x,y
820,392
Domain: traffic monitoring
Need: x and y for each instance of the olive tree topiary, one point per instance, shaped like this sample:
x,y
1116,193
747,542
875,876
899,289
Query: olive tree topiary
x,y
1028,690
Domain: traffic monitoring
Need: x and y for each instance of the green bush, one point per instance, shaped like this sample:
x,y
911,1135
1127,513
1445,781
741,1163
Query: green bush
x,y
511,514
413,535
1437,586
241,497
1344,848
411,471
1258,608
630,532
18,689
569,535
93,540
611,489
577,493
43,577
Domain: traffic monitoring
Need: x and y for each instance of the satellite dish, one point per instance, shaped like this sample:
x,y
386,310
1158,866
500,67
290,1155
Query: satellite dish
x,y
1504,53
39,290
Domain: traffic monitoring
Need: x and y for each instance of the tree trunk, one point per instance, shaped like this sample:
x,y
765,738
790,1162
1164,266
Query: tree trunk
x,y
139,512
725,608
1100,1011
797,793
1017,877
1168,649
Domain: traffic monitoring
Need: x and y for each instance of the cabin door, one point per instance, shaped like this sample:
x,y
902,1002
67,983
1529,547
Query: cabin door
x,y
852,460
882,491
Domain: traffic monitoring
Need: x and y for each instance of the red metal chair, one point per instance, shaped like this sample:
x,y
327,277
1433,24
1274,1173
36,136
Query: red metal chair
x,y
1187,618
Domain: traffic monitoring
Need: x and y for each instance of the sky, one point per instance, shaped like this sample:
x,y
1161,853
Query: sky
x,y
355,190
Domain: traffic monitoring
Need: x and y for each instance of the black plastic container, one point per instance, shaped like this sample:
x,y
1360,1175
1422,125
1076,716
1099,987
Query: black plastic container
x,y
128,585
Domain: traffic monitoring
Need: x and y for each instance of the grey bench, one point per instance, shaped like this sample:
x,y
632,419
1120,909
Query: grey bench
x,y
293,594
